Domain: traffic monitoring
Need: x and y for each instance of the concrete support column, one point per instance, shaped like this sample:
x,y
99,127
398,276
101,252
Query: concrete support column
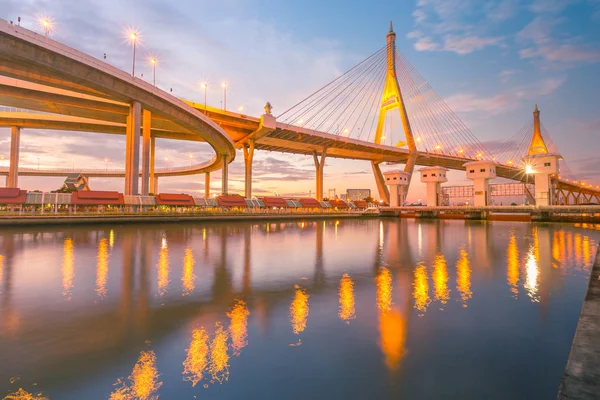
x,y
225,175
12,180
155,185
248,156
153,188
397,182
146,123
320,167
132,154
380,181
207,185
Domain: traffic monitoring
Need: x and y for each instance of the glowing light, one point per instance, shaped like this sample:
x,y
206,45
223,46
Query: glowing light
x,y
132,35
383,138
440,279
346,292
509,162
461,151
219,367
421,288
586,248
163,269
111,238
512,269
197,357
300,121
47,24
188,277
438,147
143,381
203,85
152,60
346,130
418,139
383,281
24,395
392,329
532,273
102,267
67,268
241,108
463,277
299,310
238,326
224,84
479,155
529,169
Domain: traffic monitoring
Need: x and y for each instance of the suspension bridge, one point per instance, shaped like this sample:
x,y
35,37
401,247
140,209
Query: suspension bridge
x,y
381,110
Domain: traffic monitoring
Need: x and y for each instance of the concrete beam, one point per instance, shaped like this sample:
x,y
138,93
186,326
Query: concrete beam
x,y
132,154
207,185
267,125
320,168
224,176
12,180
147,118
248,156
153,187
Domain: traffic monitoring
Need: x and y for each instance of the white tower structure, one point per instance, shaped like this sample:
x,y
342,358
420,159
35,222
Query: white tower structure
x,y
481,172
397,183
434,177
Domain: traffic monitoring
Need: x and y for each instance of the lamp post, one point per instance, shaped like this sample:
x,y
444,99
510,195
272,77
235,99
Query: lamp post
x,y
133,37
153,62
204,86
225,96
46,24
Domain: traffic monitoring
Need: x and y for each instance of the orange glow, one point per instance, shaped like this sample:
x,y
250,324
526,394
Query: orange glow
x,y
463,277
383,281
532,273
461,151
1,270
23,395
299,310
143,381
188,277
512,262
219,367
421,288
197,357
440,279
438,147
578,248
238,326
347,309
586,248
163,270
67,268
392,328
102,267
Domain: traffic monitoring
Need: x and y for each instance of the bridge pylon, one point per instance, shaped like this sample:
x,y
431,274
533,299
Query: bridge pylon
x,y
392,99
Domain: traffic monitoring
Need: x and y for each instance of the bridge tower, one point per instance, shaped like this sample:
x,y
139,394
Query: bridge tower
x,y
397,181
481,172
392,99
542,164
434,177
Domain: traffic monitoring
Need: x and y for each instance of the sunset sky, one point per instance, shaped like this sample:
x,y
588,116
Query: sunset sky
x,y
491,61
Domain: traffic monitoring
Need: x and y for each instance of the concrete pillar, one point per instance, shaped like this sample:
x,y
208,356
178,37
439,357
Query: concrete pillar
x,y
248,156
153,188
225,176
397,182
146,116
12,180
434,177
384,194
320,168
543,167
207,185
132,155
155,185
480,172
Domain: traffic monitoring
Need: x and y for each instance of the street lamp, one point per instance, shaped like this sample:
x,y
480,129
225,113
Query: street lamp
x,y
133,37
191,160
153,61
46,23
204,86
241,108
225,96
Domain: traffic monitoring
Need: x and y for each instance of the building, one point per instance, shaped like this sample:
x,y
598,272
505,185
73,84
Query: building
x,y
357,194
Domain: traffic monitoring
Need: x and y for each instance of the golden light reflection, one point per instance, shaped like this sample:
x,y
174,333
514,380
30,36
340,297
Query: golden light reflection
x,y
163,270
440,279
67,268
512,266
197,357
143,381
347,309
111,238
238,326
299,310
421,288
586,248
532,273
392,328
188,277
577,249
463,276
24,395
102,267
383,281
219,367
1,270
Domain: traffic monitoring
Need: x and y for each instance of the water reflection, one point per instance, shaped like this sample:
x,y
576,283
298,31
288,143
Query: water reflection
x,y
512,268
421,288
188,277
532,273
299,310
22,394
463,277
1,271
347,309
219,359
238,326
440,279
67,268
143,383
383,280
197,357
163,268
102,267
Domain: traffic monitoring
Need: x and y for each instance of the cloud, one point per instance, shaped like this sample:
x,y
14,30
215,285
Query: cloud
x,y
550,6
506,75
469,44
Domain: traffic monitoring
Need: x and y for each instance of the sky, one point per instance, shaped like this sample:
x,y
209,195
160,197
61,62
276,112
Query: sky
x,y
491,61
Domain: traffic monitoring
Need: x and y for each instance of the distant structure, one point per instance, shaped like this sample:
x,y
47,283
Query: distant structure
x,y
357,194
77,181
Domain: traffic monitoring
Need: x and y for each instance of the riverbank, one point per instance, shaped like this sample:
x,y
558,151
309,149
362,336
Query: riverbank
x,y
94,219
581,380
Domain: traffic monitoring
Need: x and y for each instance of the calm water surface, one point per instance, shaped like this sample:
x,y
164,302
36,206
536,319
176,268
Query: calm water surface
x,y
362,309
